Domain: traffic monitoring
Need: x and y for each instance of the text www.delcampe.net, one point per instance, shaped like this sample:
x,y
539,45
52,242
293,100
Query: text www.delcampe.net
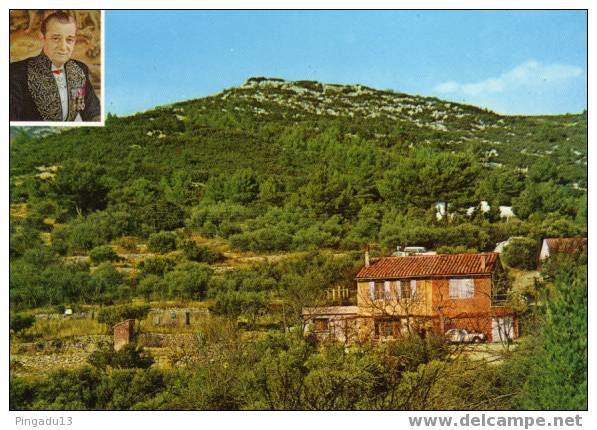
x,y
485,420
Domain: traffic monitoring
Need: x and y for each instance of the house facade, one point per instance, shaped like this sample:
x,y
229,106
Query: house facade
x,y
420,294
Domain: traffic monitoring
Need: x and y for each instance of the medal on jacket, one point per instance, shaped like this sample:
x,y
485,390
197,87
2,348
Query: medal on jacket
x,y
77,97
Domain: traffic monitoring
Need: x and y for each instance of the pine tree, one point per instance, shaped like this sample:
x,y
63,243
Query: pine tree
x,y
559,378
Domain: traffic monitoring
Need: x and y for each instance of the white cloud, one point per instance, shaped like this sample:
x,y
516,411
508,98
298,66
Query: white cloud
x,y
448,87
528,74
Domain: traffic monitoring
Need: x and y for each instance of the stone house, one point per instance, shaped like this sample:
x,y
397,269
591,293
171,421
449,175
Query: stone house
x,y
419,294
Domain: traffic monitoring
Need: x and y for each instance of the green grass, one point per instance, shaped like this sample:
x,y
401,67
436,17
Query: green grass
x,y
61,328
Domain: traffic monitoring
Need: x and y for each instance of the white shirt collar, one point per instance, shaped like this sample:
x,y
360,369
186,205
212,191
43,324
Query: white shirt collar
x,y
54,68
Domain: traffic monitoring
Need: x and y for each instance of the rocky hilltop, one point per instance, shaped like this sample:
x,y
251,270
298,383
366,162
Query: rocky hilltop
x,y
304,98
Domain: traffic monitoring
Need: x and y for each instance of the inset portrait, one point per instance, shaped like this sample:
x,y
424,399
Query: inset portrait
x,y
55,66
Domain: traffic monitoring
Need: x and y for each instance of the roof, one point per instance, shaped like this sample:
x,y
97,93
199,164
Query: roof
x,y
421,266
568,245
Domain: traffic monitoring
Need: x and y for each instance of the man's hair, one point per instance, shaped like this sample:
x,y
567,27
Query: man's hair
x,y
59,16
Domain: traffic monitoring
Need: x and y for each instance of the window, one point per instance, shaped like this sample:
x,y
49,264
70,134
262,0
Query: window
x,y
406,289
386,328
379,290
321,324
462,288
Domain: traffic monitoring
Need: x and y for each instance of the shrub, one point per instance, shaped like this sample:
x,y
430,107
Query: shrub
x,y
129,357
521,253
200,254
162,242
558,372
460,249
19,322
157,265
249,304
188,280
218,219
128,243
105,282
150,285
111,315
103,253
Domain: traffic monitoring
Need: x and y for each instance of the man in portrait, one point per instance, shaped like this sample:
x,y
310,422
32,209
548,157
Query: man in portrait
x,y
51,86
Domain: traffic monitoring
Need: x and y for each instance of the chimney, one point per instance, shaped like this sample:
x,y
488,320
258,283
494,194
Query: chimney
x,y
367,255
482,262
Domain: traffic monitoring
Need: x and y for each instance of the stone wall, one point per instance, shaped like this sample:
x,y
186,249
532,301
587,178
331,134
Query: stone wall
x,y
174,317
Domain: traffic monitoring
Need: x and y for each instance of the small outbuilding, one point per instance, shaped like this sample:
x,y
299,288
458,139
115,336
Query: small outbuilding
x,y
563,245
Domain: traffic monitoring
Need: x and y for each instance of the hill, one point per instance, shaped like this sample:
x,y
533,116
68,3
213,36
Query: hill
x,y
274,166
390,120
32,132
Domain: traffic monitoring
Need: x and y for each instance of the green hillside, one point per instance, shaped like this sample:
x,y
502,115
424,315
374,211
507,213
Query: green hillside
x,y
277,166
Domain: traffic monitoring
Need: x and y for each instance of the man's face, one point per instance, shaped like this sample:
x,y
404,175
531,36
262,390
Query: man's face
x,y
59,41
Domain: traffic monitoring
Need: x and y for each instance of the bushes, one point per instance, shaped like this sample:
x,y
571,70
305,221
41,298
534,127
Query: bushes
x,y
188,280
129,243
87,388
129,357
200,254
126,388
521,253
162,242
32,285
158,265
454,250
111,315
100,254
248,304
62,390
19,322
85,233
319,235
106,284
150,286
163,278
218,219
557,375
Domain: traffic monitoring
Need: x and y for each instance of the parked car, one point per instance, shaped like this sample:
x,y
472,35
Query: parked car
x,y
459,335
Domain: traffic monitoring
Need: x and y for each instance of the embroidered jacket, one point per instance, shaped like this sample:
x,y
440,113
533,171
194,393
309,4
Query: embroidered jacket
x,y
34,93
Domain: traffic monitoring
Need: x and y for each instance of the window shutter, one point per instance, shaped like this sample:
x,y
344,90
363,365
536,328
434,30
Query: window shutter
x,y
398,290
453,288
462,288
386,290
372,290
470,288
413,289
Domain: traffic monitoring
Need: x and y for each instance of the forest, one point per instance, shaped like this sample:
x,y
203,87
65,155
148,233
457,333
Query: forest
x,y
254,203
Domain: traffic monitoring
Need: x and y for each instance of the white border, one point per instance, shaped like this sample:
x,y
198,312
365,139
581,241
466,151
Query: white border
x,y
100,123
287,420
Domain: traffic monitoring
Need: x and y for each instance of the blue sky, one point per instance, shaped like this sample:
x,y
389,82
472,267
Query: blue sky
x,y
515,62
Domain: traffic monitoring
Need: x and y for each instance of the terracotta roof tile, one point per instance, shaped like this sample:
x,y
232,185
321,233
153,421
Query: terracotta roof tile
x,y
418,266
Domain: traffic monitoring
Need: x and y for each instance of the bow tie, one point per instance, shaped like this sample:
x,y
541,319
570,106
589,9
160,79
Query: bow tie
x,y
58,71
